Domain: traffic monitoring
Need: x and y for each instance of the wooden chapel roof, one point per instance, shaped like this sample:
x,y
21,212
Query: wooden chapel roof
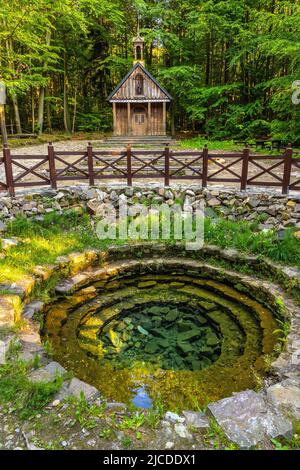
x,y
168,97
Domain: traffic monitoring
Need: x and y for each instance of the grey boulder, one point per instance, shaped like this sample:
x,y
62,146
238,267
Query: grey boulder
x,y
247,419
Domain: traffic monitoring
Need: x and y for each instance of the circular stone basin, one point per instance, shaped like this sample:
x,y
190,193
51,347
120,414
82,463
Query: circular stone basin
x,y
181,336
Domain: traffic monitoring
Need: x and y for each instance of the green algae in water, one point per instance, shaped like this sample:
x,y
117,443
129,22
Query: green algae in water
x,y
185,340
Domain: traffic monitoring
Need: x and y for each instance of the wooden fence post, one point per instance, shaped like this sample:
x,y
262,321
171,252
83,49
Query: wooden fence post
x,y
287,170
52,169
90,156
245,167
8,170
167,166
129,165
205,167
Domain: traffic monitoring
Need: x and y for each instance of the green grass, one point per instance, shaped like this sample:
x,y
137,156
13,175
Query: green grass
x,y
132,422
85,414
43,241
217,438
198,143
26,398
246,237
292,443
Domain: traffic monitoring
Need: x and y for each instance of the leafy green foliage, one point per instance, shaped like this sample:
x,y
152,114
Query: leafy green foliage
x,y
95,122
228,64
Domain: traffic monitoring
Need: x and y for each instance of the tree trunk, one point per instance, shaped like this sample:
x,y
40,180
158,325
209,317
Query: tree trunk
x,y
43,92
48,111
41,110
75,111
15,102
66,104
173,120
3,124
32,110
13,95
207,69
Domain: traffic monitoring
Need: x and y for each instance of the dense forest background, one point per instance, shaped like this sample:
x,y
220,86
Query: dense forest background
x,y
229,64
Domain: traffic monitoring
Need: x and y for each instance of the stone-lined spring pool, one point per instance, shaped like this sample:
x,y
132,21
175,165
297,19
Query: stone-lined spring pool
x,y
155,332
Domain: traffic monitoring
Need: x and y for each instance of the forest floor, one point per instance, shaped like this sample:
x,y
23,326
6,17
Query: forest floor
x,y
54,137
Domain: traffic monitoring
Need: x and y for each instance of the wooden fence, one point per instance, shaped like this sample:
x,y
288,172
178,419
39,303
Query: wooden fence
x,y
202,167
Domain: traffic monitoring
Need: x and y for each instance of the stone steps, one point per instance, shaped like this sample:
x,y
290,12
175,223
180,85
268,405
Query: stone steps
x,y
153,141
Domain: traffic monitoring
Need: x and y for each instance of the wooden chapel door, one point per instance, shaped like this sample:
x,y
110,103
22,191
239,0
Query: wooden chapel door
x,y
139,121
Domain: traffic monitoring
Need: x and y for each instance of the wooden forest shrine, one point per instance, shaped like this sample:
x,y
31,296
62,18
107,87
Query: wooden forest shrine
x,y
139,102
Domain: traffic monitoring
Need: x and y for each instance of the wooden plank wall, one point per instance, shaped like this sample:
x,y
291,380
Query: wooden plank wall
x,y
157,126
121,124
156,119
151,90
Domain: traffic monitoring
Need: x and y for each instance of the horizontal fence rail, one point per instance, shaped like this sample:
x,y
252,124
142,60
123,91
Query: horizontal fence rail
x,y
202,167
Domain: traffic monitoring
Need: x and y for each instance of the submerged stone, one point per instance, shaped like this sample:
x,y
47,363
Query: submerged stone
x,y
152,347
147,284
212,339
115,339
185,346
207,305
142,331
172,315
185,325
188,335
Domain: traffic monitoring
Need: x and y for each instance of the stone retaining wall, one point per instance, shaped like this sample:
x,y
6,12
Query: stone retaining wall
x,y
272,209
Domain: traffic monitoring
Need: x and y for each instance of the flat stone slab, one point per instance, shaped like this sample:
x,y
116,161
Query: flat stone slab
x,y
4,347
286,395
70,285
115,406
77,387
196,420
9,306
47,373
247,418
33,308
31,347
